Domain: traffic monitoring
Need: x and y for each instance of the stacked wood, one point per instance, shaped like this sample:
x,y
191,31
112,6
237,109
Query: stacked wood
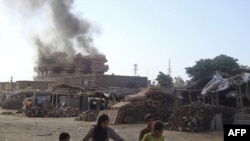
x,y
122,92
88,116
134,107
66,112
7,113
160,103
119,113
198,117
12,103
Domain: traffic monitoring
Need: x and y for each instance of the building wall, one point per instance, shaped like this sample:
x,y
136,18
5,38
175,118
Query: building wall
x,y
90,64
106,81
85,80
121,81
40,85
7,86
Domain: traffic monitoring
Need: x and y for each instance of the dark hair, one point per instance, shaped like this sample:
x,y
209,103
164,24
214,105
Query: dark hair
x,y
63,136
157,125
102,118
147,117
101,134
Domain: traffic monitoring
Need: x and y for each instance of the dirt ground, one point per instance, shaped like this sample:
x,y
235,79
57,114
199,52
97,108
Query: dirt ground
x,y
21,128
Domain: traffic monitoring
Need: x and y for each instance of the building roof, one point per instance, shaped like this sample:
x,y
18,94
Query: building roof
x,y
71,86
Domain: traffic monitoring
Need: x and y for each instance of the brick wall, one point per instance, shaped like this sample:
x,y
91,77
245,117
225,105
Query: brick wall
x,y
6,86
40,85
108,81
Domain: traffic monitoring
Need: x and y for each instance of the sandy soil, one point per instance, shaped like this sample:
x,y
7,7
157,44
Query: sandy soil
x,y
21,128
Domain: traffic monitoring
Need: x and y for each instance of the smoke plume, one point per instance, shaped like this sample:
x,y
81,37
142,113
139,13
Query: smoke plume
x,y
54,29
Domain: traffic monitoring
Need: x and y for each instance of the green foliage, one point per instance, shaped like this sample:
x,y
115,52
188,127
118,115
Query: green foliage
x,y
164,80
206,67
226,64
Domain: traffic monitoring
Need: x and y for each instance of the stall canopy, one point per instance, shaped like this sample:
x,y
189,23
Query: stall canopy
x,y
217,83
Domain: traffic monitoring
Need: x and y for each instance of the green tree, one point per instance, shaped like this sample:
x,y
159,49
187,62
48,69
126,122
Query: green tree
x,y
203,68
164,80
206,67
226,64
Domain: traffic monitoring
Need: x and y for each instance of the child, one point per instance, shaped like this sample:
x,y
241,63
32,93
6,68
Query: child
x,y
149,119
64,136
101,131
156,132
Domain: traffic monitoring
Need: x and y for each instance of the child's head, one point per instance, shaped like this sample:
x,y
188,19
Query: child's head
x,y
149,119
157,128
103,121
64,136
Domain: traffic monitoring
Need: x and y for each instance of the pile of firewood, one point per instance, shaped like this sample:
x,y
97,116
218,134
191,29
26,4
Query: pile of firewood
x,y
12,103
160,103
198,117
7,113
87,116
66,112
153,100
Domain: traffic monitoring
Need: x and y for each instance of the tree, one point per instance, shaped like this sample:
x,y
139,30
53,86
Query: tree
x,y
226,64
164,80
206,67
203,68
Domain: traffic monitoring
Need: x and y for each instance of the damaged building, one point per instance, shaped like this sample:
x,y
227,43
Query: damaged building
x,y
83,70
58,66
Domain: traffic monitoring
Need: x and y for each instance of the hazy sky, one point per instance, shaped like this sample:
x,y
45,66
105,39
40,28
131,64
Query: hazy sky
x,y
143,32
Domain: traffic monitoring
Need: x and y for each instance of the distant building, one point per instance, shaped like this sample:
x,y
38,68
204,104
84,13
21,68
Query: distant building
x,y
7,86
99,80
53,68
32,85
96,80
83,71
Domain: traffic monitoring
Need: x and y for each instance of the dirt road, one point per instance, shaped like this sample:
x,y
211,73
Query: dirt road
x,y
21,128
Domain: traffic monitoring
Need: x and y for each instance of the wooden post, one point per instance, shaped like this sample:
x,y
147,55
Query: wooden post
x,y
190,98
237,98
212,99
53,93
68,98
175,95
217,101
203,98
241,102
56,101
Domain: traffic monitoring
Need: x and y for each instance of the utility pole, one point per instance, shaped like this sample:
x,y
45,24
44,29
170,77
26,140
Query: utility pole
x,y
169,68
135,71
11,83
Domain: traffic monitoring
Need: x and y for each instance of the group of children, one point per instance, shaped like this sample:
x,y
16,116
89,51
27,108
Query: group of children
x,y
102,132
153,131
